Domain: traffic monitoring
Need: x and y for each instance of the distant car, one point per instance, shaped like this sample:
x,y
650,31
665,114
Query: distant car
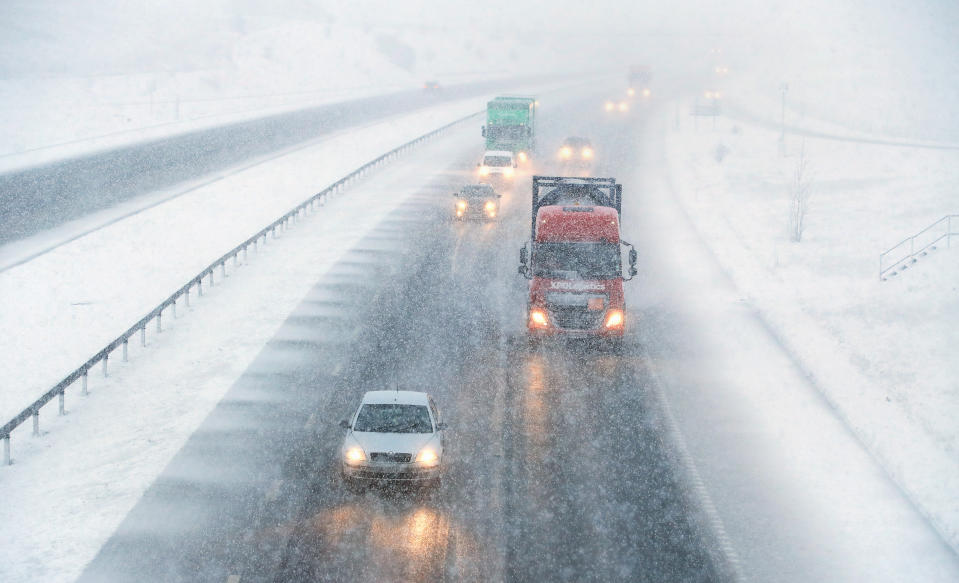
x,y
497,165
616,106
576,151
394,437
476,201
431,85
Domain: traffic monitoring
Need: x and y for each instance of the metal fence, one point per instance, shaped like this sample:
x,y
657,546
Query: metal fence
x,y
196,283
903,254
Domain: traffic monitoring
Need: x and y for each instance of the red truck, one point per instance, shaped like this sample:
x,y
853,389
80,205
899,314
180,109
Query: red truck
x,y
574,259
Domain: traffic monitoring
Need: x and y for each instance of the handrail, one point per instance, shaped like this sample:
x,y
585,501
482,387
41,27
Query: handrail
x,y
81,373
902,258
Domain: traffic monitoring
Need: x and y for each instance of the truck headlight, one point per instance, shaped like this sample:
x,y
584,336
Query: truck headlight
x,y
461,205
508,172
490,206
484,170
427,457
587,153
537,318
614,319
565,152
522,156
630,92
354,455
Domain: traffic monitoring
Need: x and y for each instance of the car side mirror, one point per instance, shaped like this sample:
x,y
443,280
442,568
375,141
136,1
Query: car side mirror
x,y
345,424
441,426
632,272
521,270
499,196
632,259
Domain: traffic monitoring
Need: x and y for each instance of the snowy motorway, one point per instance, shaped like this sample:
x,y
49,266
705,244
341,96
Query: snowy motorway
x,y
700,453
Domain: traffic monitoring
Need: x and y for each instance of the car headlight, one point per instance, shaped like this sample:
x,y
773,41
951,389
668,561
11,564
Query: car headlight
x,y
587,152
623,106
565,152
522,156
354,455
609,106
630,92
427,457
484,170
614,319
508,172
461,205
490,206
647,92
537,318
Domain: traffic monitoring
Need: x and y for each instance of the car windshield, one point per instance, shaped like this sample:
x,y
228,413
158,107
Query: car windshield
x,y
577,260
477,192
393,418
497,161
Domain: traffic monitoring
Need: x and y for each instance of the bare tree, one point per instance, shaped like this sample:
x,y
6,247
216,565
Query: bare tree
x,y
800,190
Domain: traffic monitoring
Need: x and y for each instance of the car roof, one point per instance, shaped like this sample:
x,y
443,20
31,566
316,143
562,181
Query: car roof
x,y
576,141
401,397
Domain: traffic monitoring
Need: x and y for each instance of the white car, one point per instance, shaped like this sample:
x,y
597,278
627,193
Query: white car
x,y
394,436
497,164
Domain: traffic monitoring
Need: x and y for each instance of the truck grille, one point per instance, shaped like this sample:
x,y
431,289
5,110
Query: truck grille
x,y
576,317
402,458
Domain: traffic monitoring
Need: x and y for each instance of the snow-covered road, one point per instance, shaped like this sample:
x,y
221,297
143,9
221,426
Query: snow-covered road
x,y
796,496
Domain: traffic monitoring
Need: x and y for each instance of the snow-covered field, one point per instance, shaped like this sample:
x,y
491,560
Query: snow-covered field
x,y
881,352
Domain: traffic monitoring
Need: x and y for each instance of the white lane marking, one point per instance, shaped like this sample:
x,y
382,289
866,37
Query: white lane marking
x,y
699,487
233,579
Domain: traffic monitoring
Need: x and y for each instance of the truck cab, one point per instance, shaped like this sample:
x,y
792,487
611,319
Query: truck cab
x,y
573,260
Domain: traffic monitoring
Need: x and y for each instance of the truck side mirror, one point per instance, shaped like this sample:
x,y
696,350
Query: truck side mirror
x,y
523,256
632,259
521,270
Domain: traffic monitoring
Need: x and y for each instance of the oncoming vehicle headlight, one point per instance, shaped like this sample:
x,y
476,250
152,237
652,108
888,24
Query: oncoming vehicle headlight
x,y
614,319
587,152
522,156
537,318
623,106
461,204
647,92
490,206
354,455
427,457
484,170
630,92
565,152
610,106
508,172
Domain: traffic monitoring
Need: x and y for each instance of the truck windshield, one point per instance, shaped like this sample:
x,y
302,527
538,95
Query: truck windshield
x,y
576,260
506,132
497,161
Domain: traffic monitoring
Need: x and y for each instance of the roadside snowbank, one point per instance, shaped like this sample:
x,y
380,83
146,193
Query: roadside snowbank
x,y
882,353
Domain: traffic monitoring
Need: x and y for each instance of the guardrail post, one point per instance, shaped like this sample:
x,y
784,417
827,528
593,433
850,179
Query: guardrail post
x,y
62,410
83,385
36,423
273,232
173,305
6,451
106,358
143,335
211,277
223,268
199,286
244,252
159,322
236,258
126,344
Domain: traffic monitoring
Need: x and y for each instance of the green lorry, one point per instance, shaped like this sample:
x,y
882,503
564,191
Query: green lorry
x,y
511,126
